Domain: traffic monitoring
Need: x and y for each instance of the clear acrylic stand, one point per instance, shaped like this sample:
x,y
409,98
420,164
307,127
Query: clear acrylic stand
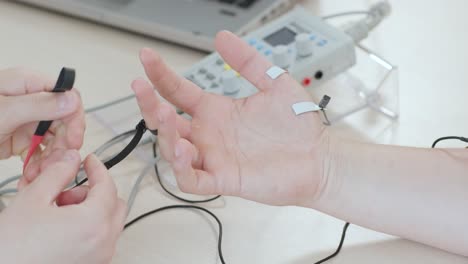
x,y
365,99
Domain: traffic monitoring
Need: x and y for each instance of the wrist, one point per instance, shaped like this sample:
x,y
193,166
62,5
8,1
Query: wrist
x,y
328,161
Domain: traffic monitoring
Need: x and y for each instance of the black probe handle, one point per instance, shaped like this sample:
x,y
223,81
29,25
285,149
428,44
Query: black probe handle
x,y
64,83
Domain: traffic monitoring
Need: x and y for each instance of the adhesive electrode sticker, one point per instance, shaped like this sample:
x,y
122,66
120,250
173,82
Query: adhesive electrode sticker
x,y
299,108
305,107
274,72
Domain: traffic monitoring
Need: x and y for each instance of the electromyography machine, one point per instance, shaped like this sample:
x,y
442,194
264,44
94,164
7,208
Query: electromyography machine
x,y
310,49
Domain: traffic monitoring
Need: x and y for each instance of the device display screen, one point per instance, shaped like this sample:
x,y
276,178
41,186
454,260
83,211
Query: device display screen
x,y
283,36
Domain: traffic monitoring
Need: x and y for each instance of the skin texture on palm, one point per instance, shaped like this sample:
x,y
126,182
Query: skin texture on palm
x,y
257,149
232,147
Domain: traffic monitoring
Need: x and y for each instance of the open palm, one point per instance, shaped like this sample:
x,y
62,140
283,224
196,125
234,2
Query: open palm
x,y
254,147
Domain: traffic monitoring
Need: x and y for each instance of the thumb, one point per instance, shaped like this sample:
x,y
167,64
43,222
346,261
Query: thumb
x,y
23,109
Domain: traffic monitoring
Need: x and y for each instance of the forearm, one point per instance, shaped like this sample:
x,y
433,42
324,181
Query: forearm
x,y
414,193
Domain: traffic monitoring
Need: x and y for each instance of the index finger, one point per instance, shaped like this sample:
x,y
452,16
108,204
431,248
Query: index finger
x,y
19,81
149,105
177,90
247,61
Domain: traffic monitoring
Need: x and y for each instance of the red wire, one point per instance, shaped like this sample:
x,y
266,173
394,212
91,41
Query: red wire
x,y
35,142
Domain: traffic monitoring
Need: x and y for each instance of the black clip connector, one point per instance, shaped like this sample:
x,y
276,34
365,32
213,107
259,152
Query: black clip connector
x,y
65,81
142,126
324,102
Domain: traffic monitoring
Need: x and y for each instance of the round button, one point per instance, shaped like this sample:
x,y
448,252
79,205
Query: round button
x,y
230,82
304,45
252,42
281,56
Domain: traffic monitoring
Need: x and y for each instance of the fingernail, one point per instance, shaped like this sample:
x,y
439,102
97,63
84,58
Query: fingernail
x,y
144,53
135,83
65,102
94,161
70,155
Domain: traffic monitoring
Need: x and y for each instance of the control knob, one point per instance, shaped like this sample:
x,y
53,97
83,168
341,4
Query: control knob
x,y
281,56
304,45
230,82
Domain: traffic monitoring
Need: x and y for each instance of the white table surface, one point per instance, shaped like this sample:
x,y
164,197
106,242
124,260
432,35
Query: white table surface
x,y
426,39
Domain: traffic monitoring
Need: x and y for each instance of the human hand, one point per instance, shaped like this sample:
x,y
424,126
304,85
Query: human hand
x,y
43,224
25,99
255,148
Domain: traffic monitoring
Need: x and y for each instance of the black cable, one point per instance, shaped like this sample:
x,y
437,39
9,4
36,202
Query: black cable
x,y
116,138
156,169
343,236
337,251
220,226
120,136
448,138
140,130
